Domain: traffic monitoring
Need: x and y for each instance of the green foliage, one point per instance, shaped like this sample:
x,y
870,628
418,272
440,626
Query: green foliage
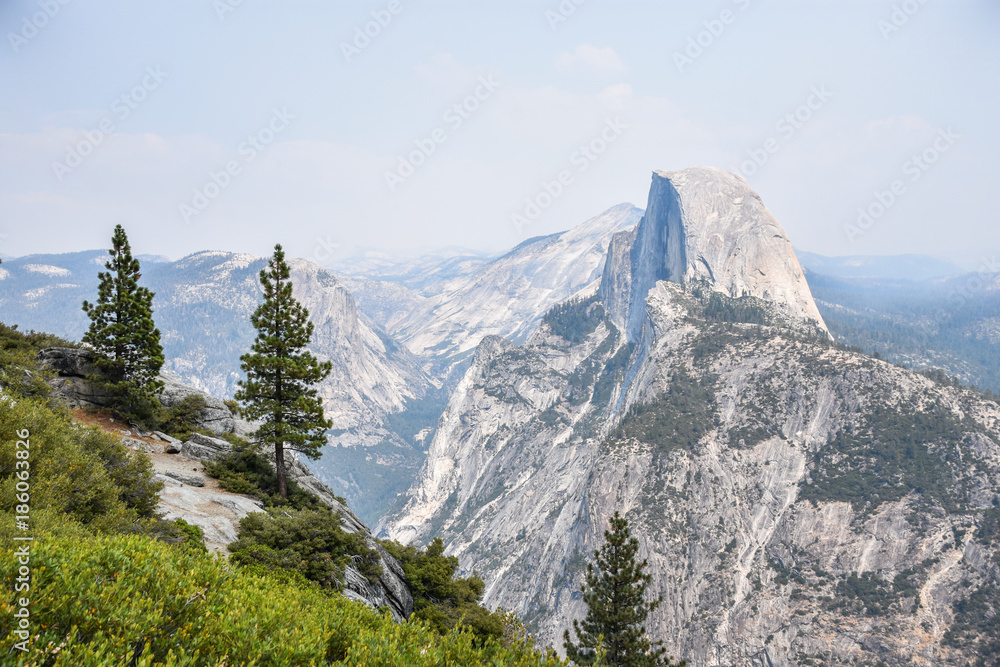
x,y
677,419
79,474
575,319
617,607
311,542
19,371
745,310
888,457
279,386
123,335
114,600
246,471
182,418
440,598
194,538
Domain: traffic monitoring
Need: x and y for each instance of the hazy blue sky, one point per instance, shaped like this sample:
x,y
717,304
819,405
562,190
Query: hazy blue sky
x,y
160,94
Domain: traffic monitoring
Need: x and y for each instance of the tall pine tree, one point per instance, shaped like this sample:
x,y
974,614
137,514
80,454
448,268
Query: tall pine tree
x,y
281,374
617,608
122,333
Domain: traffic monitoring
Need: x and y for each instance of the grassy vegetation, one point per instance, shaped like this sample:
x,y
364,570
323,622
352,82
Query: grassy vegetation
x,y
126,600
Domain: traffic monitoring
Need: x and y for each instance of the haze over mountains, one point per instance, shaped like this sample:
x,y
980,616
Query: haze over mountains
x,y
686,376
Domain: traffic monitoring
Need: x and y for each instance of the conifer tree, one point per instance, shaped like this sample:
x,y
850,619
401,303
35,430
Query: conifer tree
x,y
122,334
617,608
281,374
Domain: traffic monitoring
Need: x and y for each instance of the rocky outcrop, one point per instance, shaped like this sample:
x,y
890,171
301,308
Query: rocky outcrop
x,y
508,296
706,225
187,496
798,503
215,416
204,448
74,367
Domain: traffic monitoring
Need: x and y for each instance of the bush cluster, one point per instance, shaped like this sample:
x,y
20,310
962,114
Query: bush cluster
x,y
441,599
310,542
246,471
128,600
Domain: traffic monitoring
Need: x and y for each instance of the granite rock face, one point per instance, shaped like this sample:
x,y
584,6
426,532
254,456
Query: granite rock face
x,y
705,225
798,503
508,296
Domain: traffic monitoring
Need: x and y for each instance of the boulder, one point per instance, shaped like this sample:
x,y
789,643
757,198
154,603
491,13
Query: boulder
x,y
190,480
173,445
205,448
68,361
141,446
216,417
74,365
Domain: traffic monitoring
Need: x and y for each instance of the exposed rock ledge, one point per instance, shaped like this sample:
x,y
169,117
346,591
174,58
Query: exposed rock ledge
x,y
216,511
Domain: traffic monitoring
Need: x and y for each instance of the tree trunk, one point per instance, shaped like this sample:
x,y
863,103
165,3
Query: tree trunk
x,y
279,467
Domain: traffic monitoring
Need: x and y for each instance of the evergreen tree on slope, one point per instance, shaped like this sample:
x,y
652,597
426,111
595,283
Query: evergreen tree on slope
x,y
617,608
281,374
122,333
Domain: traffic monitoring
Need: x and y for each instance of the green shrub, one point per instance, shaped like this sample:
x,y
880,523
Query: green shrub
x,y
79,472
575,319
441,599
20,373
115,600
246,471
181,419
310,542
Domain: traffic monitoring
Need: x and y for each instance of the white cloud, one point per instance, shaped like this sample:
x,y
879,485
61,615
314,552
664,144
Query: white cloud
x,y
600,61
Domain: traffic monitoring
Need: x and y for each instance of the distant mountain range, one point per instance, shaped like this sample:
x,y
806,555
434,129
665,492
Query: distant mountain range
x,y
883,267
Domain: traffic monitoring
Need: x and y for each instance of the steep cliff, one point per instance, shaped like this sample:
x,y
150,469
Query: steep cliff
x,y
799,503
706,225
